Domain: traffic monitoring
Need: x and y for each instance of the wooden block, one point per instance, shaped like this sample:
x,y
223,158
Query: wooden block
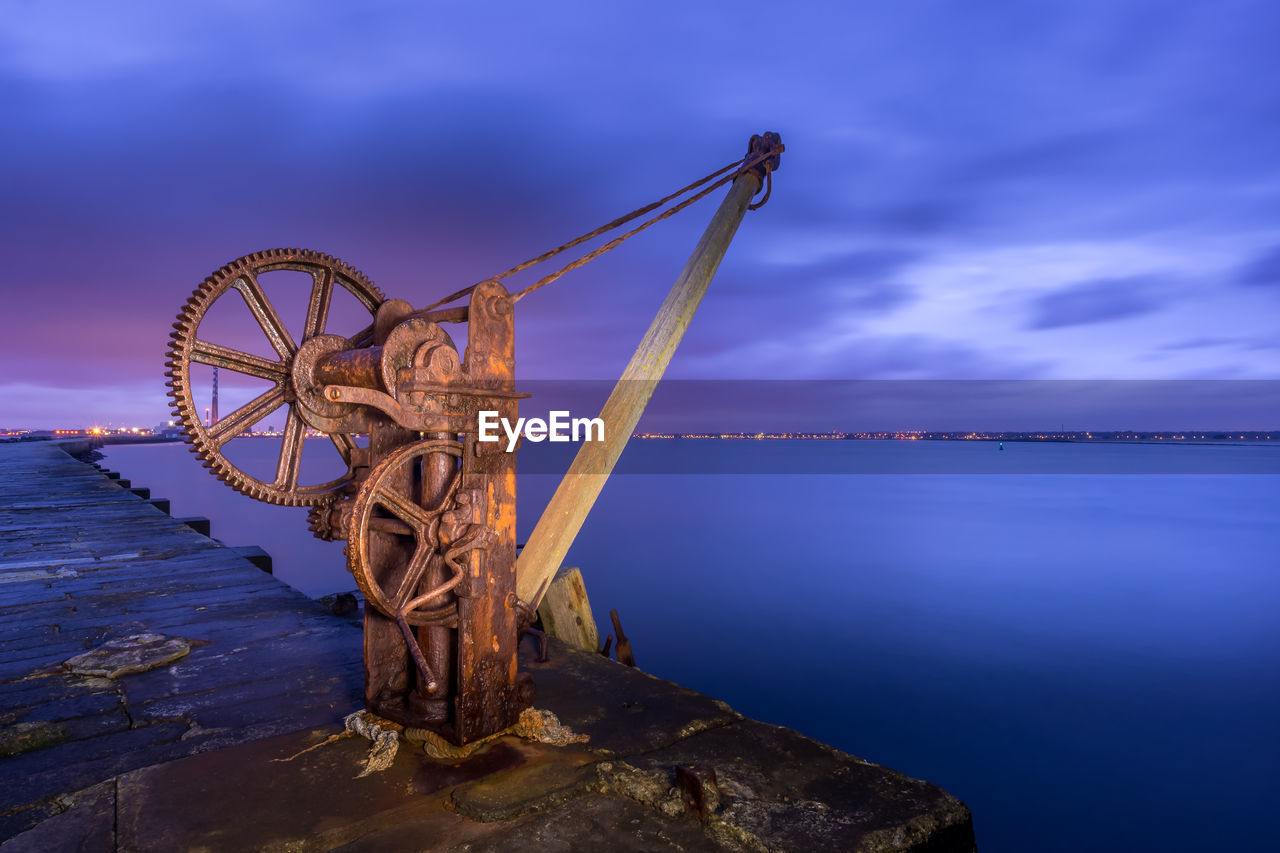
x,y
566,612
198,523
255,555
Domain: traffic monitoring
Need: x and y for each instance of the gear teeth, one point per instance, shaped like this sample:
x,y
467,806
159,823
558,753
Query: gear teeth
x,y
177,363
319,522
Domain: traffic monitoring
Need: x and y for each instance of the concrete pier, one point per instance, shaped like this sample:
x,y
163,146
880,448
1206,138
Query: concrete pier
x,y
84,561
196,681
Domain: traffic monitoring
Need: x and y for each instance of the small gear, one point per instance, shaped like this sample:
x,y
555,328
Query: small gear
x,y
318,523
329,521
186,348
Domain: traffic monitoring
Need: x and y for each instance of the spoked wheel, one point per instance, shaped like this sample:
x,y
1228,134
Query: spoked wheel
x,y
386,505
188,348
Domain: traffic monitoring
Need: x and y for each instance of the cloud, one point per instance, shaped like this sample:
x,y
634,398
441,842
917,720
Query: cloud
x,y
867,278
1263,270
925,357
1097,301
1202,343
877,297
869,263
1056,156
917,217
939,173
833,350
41,406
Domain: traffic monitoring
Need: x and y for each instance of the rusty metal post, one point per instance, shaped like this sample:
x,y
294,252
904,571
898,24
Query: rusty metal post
x,y
438,643
577,492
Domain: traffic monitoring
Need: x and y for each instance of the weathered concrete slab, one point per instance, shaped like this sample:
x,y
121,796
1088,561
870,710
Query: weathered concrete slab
x,y
777,785
638,712
87,824
776,789
84,564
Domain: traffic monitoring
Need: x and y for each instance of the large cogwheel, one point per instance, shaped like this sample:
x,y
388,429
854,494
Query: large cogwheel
x,y
187,348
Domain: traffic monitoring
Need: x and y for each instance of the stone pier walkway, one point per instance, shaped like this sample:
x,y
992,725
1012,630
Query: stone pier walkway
x,y
84,561
205,751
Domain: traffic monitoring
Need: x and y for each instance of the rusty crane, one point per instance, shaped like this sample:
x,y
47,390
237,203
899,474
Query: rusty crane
x,y
428,511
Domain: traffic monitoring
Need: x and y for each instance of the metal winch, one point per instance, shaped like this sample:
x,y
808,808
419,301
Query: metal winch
x,y
428,510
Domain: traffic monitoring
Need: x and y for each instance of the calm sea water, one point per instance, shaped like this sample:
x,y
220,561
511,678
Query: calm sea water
x,y
1089,661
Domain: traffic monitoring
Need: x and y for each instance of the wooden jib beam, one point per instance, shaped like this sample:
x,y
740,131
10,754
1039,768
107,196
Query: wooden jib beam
x,y
577,492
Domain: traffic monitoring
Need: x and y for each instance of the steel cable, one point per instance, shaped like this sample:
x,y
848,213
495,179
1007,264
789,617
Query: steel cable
x,y
737,167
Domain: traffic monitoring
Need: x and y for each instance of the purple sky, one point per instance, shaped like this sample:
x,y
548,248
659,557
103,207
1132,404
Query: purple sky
x,y
1012,190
